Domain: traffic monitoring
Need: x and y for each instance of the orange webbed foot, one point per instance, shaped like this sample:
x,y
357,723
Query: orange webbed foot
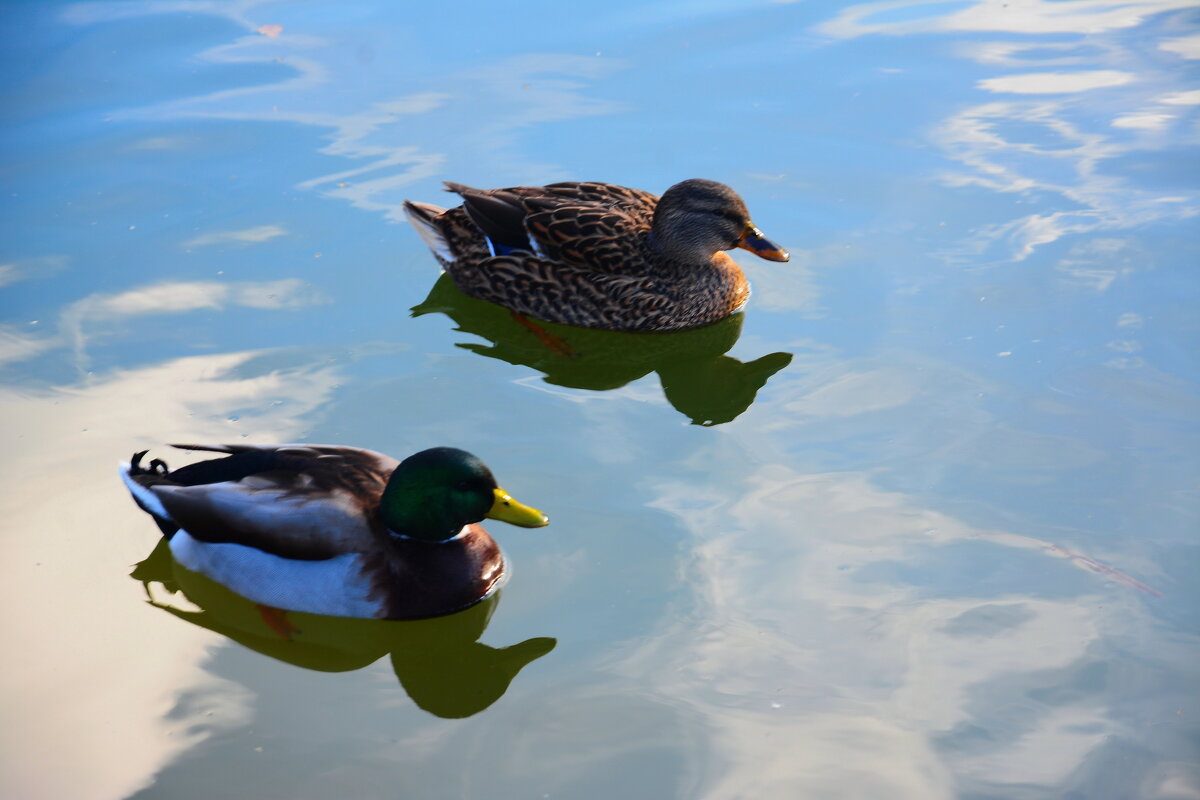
x,y
555,343
277,621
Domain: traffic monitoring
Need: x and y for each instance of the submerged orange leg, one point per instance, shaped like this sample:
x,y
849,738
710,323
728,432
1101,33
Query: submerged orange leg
x,y
276,619
544,336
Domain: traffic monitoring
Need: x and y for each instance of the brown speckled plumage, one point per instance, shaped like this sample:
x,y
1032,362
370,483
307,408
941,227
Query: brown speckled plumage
x,y
598,255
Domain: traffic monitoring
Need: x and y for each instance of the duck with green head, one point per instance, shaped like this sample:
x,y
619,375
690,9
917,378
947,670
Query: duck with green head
x,y
598,255
335,530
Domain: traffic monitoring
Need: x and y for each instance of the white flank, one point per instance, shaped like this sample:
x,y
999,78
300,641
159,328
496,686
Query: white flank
x,y
334,586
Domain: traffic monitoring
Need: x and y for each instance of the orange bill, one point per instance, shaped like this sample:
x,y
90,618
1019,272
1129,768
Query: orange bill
x,y
754,241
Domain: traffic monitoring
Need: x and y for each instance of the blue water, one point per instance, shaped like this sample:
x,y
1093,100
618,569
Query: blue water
x,y
922,523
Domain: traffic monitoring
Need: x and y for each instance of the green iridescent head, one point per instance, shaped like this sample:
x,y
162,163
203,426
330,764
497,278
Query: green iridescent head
x,y
435,492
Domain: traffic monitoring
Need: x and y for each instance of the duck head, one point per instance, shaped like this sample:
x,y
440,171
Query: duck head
x,y
435,492
696,218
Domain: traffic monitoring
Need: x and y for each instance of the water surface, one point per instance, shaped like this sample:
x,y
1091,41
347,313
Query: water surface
x,y
920,524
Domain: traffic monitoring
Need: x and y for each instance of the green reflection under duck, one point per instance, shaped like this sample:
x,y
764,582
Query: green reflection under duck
x,y
598,255
439,661
335,530
697,377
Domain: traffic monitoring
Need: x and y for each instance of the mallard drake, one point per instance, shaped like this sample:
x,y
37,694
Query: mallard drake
x,y
598,255
334,530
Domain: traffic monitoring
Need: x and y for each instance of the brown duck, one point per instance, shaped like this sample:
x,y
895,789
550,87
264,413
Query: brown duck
x,y
598,255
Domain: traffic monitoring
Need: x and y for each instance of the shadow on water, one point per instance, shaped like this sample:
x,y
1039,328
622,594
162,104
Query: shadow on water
x,y
698,379
438,661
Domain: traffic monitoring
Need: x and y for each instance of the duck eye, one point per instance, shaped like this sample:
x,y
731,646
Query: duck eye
x,y
464,484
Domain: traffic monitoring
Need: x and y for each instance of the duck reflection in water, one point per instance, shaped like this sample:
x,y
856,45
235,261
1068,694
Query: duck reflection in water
x,y
439,661
698,379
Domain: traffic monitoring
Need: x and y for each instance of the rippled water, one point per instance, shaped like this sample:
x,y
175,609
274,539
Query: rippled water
x,y
920,524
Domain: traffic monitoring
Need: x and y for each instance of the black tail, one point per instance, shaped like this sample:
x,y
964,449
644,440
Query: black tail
x,y
157,465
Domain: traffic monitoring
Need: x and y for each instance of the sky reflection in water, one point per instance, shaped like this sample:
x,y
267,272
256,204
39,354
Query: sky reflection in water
x,y
845,589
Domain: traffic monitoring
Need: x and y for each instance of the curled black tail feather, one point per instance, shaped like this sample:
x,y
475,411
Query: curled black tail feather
x,y
157,465
241,462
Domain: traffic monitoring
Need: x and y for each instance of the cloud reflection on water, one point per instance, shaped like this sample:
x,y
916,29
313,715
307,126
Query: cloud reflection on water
x,y
811,659
1007,16
487,105
1090,198
257,235
853,679
80,322
1182,46
1072,181
91,13
31,268
1056,82
72,690
172,298
839,639
480,107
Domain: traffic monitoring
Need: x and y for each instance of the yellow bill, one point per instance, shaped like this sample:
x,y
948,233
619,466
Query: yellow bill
x,y
506,509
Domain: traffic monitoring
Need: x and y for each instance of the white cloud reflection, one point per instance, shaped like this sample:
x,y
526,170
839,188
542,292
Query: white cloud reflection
x,y
795,288
18,345
31,268
856,392
1097,263
817,675
85,670
482,108
835,638
1030,53
1056,82
1065,171
351,139
1143,122
100,314
258,235
78,319
91,13
902,17
1066,161
162,143
479,107
1191,98
1184,46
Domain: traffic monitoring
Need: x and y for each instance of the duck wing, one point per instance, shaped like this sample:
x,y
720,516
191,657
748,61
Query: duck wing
x,y
295,501
596,226
635,202
590,237
640,205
